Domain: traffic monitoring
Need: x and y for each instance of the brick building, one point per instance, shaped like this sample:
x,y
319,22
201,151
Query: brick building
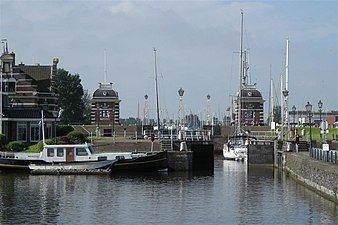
x,y
105,109
25,91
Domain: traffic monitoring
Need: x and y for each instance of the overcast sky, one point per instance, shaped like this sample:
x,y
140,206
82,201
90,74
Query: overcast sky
x,y
196,41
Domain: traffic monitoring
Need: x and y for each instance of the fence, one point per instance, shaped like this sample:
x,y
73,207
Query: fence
x,y
330,156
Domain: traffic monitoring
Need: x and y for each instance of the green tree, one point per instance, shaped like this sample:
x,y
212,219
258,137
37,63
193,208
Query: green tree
x,y
87,107
71,93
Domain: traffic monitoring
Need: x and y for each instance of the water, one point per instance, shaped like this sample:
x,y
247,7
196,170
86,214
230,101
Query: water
x,y
232,195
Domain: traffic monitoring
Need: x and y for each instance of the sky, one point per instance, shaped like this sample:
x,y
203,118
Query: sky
x,y
196,44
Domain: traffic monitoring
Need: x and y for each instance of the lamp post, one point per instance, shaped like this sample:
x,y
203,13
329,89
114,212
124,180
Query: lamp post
x,y
181,108
285,114
294,118
308,108
320,106
208,109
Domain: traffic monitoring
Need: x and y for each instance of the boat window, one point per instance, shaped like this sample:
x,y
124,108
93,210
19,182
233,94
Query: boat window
x,y
91,149
81,152
59,152
50,152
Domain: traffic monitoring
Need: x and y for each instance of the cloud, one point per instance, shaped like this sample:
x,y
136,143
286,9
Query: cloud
x,y
196,41
124,7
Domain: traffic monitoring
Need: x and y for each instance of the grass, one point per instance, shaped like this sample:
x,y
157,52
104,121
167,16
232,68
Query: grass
x,y
304,133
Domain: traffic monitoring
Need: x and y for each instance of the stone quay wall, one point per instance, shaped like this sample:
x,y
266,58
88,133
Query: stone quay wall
x,y
319,176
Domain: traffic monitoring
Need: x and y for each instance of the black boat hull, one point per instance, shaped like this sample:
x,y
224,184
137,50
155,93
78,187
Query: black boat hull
x,y
150,163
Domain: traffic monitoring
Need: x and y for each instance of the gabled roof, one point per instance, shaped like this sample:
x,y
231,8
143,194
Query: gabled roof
x,y
37,72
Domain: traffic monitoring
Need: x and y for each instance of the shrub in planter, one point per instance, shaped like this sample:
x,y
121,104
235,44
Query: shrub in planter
x,y
15,146
77,137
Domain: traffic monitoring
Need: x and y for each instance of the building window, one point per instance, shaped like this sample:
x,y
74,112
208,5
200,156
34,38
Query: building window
x,y
22,131
35,132
6,67
49,130
105,114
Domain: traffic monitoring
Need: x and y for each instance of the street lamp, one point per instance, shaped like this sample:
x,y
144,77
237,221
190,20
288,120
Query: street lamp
x,y
308,108
294,118
181,108
320,106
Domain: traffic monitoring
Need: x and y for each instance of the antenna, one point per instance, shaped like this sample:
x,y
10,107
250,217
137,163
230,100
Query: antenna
x,y
105,66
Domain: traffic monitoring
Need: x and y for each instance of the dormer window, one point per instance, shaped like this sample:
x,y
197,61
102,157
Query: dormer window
x,y
6,67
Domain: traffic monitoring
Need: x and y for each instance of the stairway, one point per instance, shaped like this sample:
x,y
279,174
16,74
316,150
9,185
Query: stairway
x,y
166,145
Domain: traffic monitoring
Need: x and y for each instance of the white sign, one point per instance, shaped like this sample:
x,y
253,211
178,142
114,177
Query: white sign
x,y
273,125
326,147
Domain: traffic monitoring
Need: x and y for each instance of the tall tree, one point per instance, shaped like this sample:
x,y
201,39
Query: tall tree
x,y
87,107
71,100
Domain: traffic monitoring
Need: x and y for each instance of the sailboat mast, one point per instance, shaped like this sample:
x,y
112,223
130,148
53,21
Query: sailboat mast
x,y
287,88
240,79
156,89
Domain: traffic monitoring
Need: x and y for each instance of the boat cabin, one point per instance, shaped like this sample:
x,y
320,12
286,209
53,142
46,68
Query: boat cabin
x,y
69,153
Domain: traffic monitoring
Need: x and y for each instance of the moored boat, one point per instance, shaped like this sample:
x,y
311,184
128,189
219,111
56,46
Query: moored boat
x,y
82,157
152,161
93,167
236,148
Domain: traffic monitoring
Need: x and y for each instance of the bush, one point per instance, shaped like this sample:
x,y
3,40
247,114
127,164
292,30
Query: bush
x,y
15,146
63,140
63,130
3,141
35,148
39,146
77,137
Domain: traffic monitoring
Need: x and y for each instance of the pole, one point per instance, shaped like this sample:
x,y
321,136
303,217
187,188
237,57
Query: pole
x,y
310,131
320,123
1,98
287,88
239,102
157,102
43,128
282,107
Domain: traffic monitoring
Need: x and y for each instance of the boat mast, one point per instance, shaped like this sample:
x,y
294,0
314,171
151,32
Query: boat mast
x,y
157,102
239,119
287,88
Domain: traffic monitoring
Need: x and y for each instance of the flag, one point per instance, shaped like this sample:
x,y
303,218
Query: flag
x,y
228,109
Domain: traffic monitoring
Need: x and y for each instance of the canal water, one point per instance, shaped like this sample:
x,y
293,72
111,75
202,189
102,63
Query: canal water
x,y
232,195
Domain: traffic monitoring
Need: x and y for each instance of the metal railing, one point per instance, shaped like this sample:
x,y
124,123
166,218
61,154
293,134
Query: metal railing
x,y
330,156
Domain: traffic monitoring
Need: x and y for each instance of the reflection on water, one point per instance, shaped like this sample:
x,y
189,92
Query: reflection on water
x,y
233,194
